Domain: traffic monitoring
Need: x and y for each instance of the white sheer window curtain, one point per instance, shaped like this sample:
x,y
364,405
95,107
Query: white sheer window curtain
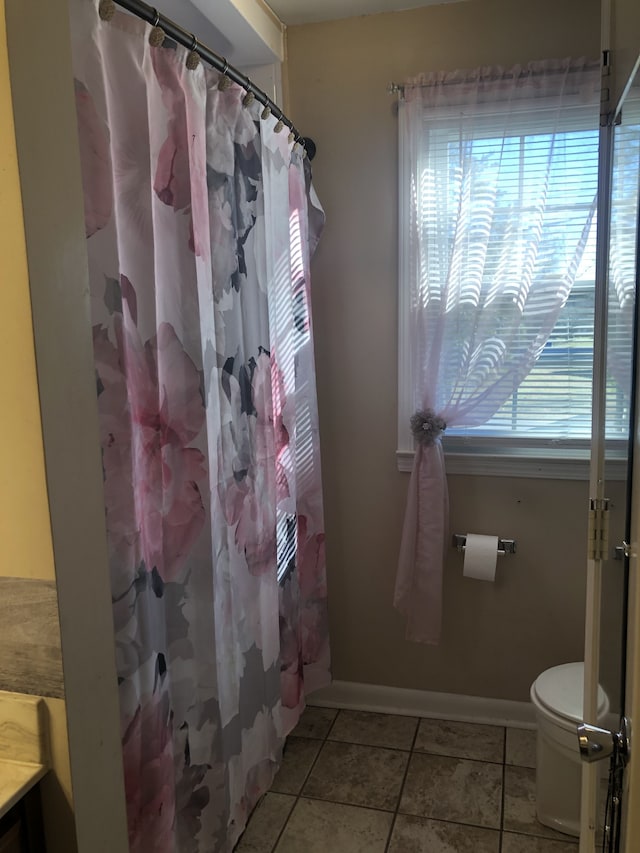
x,y
501,194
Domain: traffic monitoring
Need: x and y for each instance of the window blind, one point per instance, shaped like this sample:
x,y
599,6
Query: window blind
x,y
531,198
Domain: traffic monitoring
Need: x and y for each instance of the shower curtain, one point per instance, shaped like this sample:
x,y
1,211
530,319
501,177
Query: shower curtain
x,y
200,222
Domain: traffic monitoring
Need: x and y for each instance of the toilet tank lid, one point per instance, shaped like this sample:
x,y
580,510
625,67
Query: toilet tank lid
x,y
561,690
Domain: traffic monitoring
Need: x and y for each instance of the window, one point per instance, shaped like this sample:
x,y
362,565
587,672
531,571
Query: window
x,y
554,400
498,226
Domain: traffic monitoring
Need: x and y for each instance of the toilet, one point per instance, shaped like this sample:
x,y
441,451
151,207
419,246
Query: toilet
x,y
557,696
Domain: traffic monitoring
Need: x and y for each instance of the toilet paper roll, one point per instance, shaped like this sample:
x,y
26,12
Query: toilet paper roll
x,y
480,557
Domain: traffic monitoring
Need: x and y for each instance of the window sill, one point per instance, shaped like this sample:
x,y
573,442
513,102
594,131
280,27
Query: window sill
x,y
547,464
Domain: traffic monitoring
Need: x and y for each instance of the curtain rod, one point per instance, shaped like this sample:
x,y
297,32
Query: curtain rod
x,y
188,40
398,88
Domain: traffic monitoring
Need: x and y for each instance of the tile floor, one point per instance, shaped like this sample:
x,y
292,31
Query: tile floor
x,y
355,782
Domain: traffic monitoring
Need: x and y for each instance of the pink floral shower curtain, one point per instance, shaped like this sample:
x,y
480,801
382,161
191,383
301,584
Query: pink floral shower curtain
x,y
198,224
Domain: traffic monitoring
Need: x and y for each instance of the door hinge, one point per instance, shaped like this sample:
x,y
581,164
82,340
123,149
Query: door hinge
x,y
598,541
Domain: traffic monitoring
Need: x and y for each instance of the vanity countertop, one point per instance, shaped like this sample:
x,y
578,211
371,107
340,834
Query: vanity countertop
x,y
15,781
24,746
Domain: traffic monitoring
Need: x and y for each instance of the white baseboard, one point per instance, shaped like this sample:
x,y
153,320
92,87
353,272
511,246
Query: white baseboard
x,y
425,703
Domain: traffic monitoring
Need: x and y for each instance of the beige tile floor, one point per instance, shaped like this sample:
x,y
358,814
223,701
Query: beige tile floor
x,y
355,782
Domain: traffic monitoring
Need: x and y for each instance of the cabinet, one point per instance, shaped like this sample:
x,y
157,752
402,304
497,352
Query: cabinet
x,y
21,828
11,839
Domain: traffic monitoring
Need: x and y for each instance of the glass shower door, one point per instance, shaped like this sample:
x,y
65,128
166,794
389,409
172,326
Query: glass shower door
x,y
616,354
619,421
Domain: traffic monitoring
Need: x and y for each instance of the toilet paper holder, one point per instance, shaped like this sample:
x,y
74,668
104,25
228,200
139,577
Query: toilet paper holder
x,y
505,546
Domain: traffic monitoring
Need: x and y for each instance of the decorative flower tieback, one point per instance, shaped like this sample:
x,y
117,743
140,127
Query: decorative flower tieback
x,y
426,426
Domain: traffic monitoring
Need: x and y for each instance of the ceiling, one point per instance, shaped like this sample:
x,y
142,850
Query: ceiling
x,y
312,11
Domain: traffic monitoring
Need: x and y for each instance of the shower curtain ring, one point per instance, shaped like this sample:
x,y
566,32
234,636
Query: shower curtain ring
x,y
106,9
250,97
157,34
224,82
193,59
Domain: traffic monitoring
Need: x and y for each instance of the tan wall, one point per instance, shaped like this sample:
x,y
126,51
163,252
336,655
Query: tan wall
x,y
25,534
496,638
